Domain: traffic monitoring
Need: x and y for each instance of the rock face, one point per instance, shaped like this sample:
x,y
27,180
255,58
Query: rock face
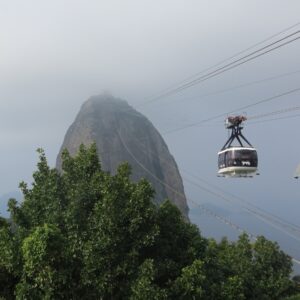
x,y
124,135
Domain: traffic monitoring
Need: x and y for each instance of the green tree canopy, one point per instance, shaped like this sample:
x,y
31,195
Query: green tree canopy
x,y
86,234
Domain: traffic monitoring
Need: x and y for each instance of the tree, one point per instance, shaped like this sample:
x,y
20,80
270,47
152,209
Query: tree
x,y
122,228
191,283
85,234
8,261
178,244
271,268
245,270
296,280
295,297
44,271
144,286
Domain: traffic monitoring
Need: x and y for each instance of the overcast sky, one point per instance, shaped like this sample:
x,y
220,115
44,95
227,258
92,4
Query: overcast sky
x,y
55,54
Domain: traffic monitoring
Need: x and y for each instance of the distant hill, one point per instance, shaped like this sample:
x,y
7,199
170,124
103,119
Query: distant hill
x,y
123,134
3,202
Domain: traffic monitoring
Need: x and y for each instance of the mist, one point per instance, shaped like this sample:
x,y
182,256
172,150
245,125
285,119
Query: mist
x,y
56,54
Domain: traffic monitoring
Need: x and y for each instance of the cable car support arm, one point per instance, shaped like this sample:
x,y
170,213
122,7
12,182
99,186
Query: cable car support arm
x,y
234,123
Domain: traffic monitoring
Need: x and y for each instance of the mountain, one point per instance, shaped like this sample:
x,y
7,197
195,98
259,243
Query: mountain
x,y
122,134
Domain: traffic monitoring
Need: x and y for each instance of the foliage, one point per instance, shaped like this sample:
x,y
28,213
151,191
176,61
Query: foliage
x,y
44,274
144,287
295,297
85,234
190,285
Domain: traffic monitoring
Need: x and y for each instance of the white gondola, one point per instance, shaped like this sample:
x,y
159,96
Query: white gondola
x,y
237,161
297,172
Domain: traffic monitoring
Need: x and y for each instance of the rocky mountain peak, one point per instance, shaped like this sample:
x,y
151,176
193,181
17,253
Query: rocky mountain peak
x,y
123,134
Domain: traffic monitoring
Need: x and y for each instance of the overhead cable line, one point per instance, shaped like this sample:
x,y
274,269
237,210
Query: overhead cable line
x,y
260,215
175,190
265,100
257,210
204,121
228,58
260,121
222,219
240,86
249,57
274,119
276,112
273,113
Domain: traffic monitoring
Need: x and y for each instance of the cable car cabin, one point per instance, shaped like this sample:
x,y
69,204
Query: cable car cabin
x,y
297,173
237,162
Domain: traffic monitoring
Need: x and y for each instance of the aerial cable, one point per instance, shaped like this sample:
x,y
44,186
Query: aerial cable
x,y
226,221
240,86
257,210
265,215
260,210
295,260
274,119
230,66
170,187
227,59
260,215
276,112
266,219
222,219
265,100
202,122
223,69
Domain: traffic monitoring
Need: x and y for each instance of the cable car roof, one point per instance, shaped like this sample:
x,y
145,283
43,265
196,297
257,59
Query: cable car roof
x,y
236,148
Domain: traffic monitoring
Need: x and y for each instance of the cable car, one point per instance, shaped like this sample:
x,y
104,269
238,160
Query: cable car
x,y
297,172
237,161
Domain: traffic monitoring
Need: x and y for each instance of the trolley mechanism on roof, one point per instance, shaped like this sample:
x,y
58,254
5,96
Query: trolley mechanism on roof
x,y
240,160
